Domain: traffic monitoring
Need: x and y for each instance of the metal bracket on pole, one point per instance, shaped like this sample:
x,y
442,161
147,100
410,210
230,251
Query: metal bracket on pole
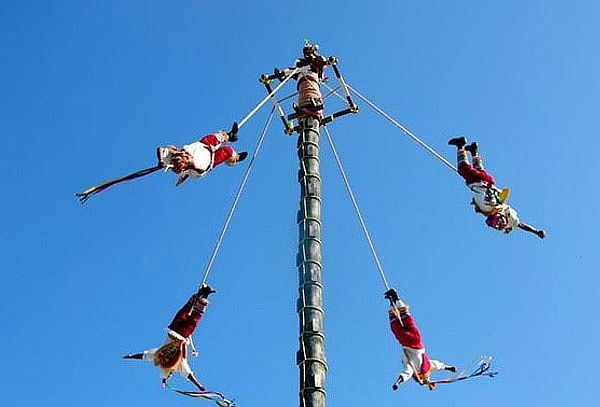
x,y
313,108
266,80
334,64
330,118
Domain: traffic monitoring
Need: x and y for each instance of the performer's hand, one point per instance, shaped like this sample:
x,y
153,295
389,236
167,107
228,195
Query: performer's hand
x,y
195,353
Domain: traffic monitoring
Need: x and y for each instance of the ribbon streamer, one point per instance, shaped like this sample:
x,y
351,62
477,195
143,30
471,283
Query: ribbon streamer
x,y
480,368
85,195
216,397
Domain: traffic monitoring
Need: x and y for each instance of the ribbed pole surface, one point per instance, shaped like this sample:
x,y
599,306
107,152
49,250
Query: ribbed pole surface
x,y
311,355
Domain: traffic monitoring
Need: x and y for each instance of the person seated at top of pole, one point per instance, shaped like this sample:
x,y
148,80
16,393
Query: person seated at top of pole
x,y
311,73
172,356
312,62
488,199
193,160
310,102
416,362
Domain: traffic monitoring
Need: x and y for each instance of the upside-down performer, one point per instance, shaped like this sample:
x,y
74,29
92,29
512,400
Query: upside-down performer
x,y
416,362
193,160
172,356
488,199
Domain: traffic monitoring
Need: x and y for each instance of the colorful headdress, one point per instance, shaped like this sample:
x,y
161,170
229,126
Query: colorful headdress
x,y
168,356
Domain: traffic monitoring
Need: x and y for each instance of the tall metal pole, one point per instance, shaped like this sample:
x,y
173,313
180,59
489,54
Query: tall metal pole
x,y
311,354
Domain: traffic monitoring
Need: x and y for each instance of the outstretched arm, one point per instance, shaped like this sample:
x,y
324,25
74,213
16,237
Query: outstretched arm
x,y
134,356
147,355
166,378
194,351
193,379
528,228
186,372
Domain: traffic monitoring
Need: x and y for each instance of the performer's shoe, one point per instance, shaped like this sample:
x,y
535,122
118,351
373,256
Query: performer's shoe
x,y
459,142
541,234
242,156
451,369
232,134
473,148
391,295
205,290
397,383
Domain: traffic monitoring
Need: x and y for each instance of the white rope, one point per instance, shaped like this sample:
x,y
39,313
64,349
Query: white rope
x,y
334,91
269,96
331,92
296,94
288,97
361,220
403,129
357,210
237,197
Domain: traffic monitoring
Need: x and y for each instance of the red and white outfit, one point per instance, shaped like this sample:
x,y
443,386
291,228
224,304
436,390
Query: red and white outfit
x,y
499,215
208,153
181,328
414,358
205,154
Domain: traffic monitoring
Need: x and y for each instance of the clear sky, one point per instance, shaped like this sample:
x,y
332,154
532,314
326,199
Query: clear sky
x,y
89,89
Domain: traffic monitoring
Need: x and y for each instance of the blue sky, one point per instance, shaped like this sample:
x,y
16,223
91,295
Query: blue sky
x,y
91,88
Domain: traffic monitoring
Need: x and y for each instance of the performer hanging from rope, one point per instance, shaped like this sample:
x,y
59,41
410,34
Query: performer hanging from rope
x,y
198,158
488,199
193,160
172,356
416,362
